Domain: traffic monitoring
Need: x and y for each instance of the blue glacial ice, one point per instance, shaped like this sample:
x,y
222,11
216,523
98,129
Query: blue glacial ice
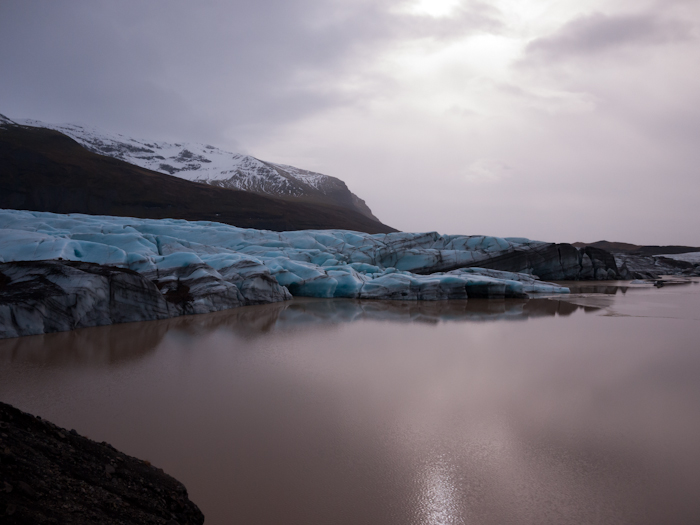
x,y
266,266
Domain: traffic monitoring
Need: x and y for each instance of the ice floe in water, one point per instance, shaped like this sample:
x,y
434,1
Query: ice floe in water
x,y
264,265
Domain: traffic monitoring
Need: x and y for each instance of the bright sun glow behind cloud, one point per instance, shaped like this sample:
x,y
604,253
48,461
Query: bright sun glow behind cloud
x,y
461,74
436,8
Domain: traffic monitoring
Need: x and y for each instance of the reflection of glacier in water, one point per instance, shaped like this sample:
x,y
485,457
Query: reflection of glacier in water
x,y
302,311
109,345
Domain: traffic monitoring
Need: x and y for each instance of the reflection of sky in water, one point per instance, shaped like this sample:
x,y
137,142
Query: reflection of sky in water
x,y
106,346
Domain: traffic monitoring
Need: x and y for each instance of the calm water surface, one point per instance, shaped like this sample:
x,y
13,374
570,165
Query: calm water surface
x,y
583,409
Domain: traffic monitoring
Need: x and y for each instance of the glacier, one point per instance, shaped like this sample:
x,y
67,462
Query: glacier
x,y
200,267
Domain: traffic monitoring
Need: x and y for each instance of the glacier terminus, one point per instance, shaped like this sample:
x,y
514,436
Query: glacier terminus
x,y
101,269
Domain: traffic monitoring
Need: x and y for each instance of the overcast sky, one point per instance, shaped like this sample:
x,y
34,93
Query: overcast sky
x,y
559,120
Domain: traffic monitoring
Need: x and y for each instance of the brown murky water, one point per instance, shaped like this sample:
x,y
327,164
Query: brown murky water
x,y
584,409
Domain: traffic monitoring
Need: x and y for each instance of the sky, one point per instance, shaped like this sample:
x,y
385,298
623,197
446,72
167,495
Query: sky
x,y
557,120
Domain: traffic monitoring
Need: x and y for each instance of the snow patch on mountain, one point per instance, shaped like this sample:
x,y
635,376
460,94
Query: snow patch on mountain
x,y
4,121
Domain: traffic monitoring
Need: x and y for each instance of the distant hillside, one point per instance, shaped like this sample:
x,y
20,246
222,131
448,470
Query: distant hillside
x,y
44,170
204,163
634,249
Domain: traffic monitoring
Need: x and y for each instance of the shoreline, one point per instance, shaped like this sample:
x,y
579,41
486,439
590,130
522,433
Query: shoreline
x,y
51,474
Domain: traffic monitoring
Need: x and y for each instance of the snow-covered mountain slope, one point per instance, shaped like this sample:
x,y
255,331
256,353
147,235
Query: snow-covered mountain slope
x,y
207,164
4,121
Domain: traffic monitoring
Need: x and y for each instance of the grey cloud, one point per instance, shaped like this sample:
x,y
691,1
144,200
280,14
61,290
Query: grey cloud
x,y
468,18
176,69
616,126
597,33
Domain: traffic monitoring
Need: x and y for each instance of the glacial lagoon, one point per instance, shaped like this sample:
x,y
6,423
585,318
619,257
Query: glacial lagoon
x,y
581,408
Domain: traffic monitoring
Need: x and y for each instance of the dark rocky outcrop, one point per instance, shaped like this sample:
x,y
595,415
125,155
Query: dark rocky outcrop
x,y
599,265
52,475
652,267
558,262
646,262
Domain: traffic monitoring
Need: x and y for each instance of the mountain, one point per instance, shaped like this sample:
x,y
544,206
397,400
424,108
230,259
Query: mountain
x,y
214,166
45,170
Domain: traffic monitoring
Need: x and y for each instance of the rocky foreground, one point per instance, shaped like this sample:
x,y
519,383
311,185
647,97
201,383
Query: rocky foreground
x,y
51,475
